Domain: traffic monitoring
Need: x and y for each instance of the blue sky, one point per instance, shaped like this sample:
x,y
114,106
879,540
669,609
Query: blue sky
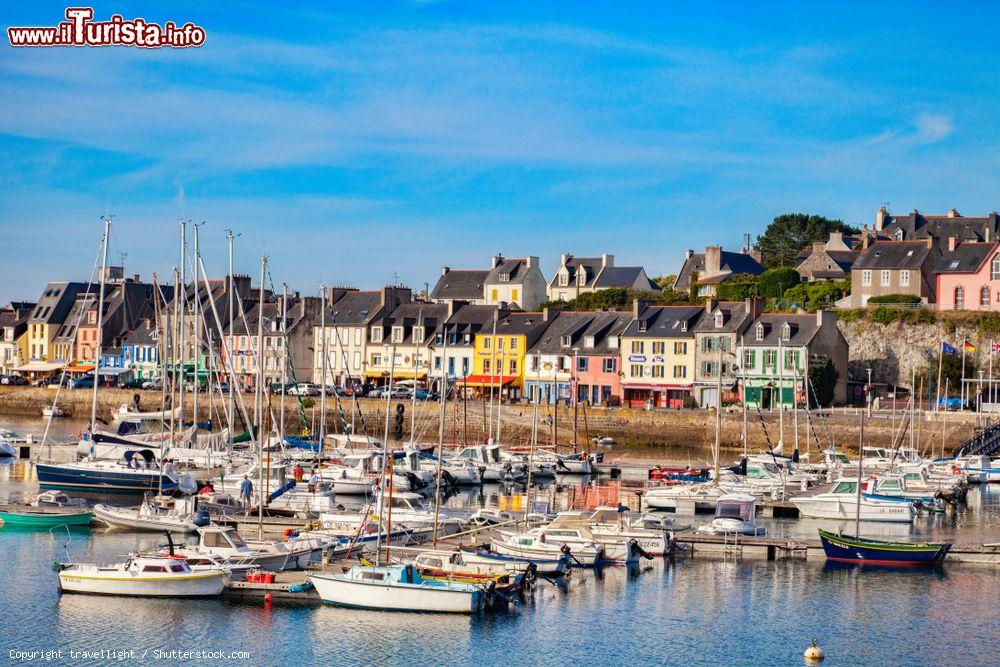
x,y
350,142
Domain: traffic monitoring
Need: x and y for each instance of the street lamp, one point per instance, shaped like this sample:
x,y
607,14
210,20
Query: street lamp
x,y
868,391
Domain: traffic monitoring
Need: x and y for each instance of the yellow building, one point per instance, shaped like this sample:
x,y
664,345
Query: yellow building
x,y
45,325
657,355
499,353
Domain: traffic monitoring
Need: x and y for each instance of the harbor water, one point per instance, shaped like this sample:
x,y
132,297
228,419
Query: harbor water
x,y
692,611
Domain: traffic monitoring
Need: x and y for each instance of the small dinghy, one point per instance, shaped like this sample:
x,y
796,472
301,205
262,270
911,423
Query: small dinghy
x,y
397,588
58,499
43,517
848,549
143,576
52,411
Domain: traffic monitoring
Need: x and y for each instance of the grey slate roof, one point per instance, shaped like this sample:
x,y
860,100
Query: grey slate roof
x,y
733,262
893,255
592,266
411,315
579,326
56,302
803,328
734,315
464,284
354,308
965,258
515,268
622,276
940,227
665,322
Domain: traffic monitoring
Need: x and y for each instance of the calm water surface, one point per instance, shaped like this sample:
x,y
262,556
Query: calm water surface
x,y
692,612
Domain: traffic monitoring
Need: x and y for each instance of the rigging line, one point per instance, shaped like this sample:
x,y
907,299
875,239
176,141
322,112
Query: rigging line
x,y
76,327
288,357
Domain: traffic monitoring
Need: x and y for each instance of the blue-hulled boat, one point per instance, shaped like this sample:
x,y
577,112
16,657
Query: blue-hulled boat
x,y
135,473
849,549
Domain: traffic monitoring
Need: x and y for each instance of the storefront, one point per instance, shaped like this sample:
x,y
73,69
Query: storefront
x,y
488,385
657,396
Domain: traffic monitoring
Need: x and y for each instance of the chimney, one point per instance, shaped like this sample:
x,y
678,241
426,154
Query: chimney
x,y
545,314
819,247
687,254
496,259
710,304
826,318
880,219
836,241
445,270
135,278
953,213
713,260
930,242
607,260
952,243
532,261
636,308
564,258
334,293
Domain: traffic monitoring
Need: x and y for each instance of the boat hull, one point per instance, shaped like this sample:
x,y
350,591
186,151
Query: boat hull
x,y
824,508
194,585
848,549
64,478
116,517
45,520
514,564
337,591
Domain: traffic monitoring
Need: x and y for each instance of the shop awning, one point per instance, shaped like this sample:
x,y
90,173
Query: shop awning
x,y
396,374
113,372
487,380
38,367
80,368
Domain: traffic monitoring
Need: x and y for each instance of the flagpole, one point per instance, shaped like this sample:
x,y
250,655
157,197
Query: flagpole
x,y
961,389
991,370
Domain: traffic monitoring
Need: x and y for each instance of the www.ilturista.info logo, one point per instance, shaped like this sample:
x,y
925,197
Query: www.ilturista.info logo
x,y
81,30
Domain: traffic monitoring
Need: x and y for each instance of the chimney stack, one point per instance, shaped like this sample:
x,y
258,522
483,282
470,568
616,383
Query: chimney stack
x,y
953,213
607,260
880,219
710,304
952,243
713,260
496,259
445,270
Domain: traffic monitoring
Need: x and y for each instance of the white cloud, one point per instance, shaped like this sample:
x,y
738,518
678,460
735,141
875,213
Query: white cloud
x,y
933,127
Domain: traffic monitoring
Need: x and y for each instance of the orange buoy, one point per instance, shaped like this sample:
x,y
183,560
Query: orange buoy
x,y
267,599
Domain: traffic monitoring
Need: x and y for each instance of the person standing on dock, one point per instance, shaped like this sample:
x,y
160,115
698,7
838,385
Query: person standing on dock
x,y
246,493
313,481
298,472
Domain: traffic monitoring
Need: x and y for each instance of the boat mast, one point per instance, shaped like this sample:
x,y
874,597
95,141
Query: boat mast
x,y
440,453
718,414
861,445
413,393
197,332
174,349
534,440
284,357
322,363
743,390
493,360
259,400
231,406
183,314
386,452
575,384
781,394
100,323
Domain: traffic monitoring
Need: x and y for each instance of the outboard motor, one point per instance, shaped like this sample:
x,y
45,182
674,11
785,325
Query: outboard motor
x,y
740,468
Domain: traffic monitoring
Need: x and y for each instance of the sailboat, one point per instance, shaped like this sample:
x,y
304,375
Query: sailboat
x,y
855,549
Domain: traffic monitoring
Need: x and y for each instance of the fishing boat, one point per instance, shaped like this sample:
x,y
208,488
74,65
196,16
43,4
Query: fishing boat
x,y
397,588
143,576
152,516
7,450
734,514
848,549
44,517
515,564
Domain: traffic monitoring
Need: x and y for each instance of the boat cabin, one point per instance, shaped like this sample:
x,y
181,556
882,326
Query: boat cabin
x,y
220,537
736,506
481,453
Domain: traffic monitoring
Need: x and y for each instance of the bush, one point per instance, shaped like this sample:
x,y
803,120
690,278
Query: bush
x,y
884,315
895,298
816,295
738,287
775,282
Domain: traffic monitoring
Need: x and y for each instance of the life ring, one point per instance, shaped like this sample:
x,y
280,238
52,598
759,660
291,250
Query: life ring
x,y
955,470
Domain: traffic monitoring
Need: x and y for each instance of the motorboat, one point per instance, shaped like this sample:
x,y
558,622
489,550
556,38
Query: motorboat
x,y
357,474
493,469
183,517
136,472
539,466
541,543
52,411
734,514
218,503
702,496
7,450
128,413
456,472
226,543
143,576
678,474
839,501
411,510
284,493
547,566
580,529
397,588
58,499
650,532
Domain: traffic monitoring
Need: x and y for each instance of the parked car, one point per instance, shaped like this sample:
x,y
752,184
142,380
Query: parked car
x,y
86,382
397,392
304,389
13,380
132,383
154,384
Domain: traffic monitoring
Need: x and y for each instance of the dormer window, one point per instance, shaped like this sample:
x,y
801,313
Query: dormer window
x,y
505,277
418,334
613,342
899,234
684,325
718,319
588,341
376,334
397,334
760,332
642,325
786,331
581,277
564,279
565,341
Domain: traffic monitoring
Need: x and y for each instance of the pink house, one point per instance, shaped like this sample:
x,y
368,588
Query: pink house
x,y
968,277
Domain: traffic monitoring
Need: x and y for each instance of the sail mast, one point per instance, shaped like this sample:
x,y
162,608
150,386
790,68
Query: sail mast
x,y
259,400
100,322
440,453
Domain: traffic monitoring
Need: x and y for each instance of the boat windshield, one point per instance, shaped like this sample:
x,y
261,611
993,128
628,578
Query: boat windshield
x,y
236,539
845,487
733,511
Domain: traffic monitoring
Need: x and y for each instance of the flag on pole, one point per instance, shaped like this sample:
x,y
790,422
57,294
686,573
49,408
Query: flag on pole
x,y
994,347
947,349
969,347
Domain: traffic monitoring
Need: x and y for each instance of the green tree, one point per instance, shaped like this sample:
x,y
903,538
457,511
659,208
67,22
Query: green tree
x,y
737,287
665,282
823,382
773,283
789,233
816,295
